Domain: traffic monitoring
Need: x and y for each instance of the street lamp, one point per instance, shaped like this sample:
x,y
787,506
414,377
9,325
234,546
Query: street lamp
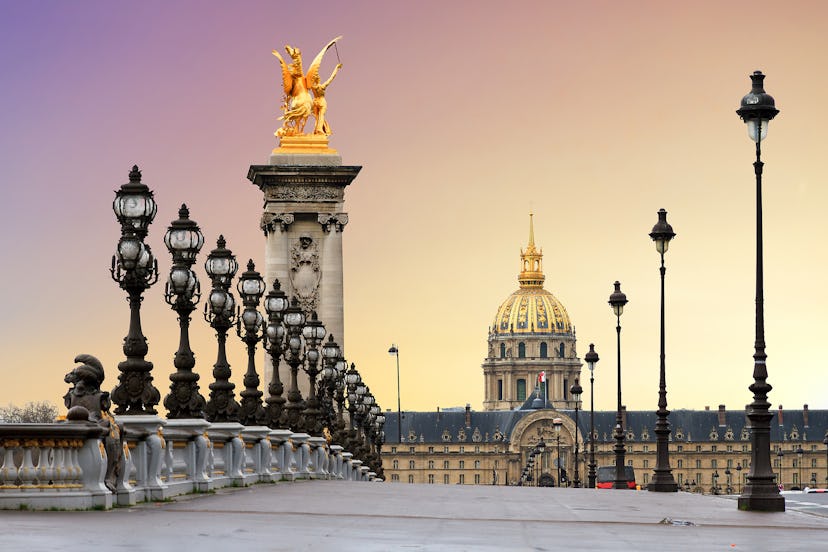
x,y
663,480
825,442
251,287
757,109
617,300
183,240
716,482
739,477
799,453
294,319
275,305
576,391
591,359
219,312
135,270
729,489
557,423
313,332
394,350
780,456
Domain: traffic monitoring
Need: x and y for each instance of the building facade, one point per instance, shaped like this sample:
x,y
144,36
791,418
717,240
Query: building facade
x,y
532,333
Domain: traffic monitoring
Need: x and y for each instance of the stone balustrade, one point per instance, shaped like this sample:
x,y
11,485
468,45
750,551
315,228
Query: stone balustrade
x,y
62,465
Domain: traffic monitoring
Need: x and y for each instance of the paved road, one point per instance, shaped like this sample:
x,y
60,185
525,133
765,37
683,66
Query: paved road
x,y
351,516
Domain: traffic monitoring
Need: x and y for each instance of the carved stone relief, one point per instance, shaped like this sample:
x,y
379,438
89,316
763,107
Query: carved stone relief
x,y
305,273
271,221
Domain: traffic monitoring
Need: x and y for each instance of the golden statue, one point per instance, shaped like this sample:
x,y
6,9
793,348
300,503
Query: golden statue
x,y
298,104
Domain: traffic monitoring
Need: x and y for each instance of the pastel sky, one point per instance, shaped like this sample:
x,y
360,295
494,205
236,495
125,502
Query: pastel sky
x,y
465,117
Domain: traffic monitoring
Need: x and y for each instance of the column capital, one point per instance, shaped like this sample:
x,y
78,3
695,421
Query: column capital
x,y
271,221
335,220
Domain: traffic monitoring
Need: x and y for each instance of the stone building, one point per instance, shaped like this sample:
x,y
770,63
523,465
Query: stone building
x,y
532,333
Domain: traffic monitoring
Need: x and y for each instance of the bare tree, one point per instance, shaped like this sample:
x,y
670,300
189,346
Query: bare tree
x,y
32,412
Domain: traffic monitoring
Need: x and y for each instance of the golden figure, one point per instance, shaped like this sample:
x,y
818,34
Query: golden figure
x,y
298,104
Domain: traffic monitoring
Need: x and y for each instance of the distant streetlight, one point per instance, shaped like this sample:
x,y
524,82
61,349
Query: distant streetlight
x,y
394,350
576,391
617,300
591,359
557,423
663,480
757,109
799,453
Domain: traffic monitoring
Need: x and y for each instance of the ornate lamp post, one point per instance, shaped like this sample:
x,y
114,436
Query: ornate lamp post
x,y
757,109
617,300
340,435
729,489
557,423
314,333
799,453
251,287
716,482
591,359
330,355
275,305
352,381
220,311
135,270
183,240
294,320
663,480
739,477
394,350
825,442
780,456
576,391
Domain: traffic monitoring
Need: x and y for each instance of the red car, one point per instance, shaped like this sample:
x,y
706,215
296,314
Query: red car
x,y
606,477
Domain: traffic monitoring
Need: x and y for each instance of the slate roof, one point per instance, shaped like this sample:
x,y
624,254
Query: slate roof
x,y
686,425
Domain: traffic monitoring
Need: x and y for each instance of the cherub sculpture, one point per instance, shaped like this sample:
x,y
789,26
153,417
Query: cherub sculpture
x,y
86,391
299,104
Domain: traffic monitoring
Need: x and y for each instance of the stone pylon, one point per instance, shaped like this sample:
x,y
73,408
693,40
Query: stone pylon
x,y
303,220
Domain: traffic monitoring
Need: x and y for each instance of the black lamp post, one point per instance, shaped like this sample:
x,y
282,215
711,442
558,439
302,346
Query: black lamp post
x,y
183,240
557,423
353,379
729,489
757,109
739,477
617,300
220,312
394,350
275,305
135,270
780,456
330,356
576,391
591,359
799,453
716,482
313,332
663,480
340,435
294,320
251,287
825,442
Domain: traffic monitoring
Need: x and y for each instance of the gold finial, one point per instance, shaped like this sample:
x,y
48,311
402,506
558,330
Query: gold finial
x,y
531,274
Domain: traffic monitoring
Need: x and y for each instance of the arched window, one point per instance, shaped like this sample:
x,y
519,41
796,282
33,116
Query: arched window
x,y
521,389
543,352
502,350
561,351
521,350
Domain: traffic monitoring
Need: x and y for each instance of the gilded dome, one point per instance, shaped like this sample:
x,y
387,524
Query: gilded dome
x,y
531,309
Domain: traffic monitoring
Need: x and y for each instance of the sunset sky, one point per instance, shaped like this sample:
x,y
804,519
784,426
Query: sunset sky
x,y
465,117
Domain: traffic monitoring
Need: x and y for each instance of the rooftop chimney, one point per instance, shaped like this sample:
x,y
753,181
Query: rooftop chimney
x,y
805,415
780,415
722,413
468,415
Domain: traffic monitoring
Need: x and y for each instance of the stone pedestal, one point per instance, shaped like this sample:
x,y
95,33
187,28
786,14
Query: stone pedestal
x,y
147,455
303,220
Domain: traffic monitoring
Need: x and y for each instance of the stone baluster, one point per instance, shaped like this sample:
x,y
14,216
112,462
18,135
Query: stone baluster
x,y
8,473
280,460
335,468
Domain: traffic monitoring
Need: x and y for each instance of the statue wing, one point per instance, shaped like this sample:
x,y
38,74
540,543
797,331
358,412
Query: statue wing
x,y
312,76
286,76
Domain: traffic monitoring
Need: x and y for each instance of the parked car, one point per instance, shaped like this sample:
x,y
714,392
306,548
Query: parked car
x,y
606,477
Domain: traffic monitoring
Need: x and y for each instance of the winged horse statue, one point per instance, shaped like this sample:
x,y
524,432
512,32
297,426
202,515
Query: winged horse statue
x,y
298,103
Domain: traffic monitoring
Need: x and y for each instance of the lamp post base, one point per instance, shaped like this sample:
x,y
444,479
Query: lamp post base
x,y
762,503
662,486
